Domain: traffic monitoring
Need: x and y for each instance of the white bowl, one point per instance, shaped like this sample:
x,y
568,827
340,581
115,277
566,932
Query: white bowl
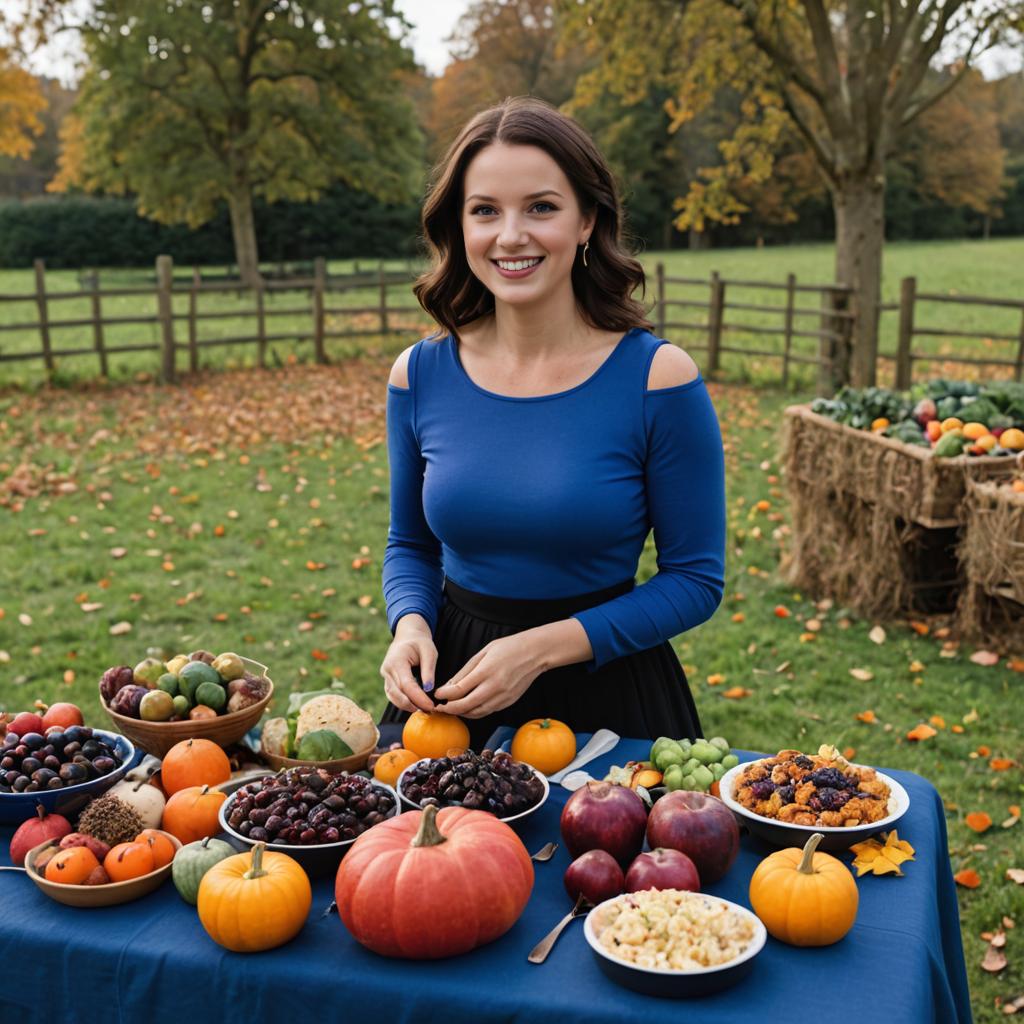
x,y
412,805
835,837
672,982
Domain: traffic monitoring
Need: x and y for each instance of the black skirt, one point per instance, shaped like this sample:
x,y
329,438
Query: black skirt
x,y
641,695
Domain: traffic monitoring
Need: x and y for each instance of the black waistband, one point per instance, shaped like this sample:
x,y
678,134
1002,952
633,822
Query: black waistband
x,y
528,612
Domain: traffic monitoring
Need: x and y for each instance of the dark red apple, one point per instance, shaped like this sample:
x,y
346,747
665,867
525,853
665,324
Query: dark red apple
x,y
595,875
25,723
63,715
35,831
604,816
662,869
699,825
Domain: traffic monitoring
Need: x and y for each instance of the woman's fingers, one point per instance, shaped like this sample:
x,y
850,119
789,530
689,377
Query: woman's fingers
x,y
412,690
428,663
457,685
394,694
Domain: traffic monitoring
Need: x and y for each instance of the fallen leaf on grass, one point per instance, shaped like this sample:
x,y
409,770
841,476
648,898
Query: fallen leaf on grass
x,y
118,552
938,721
120,628
1014,1005
782,612
873,857
318,654
1015,875
916,667
91,606
863,674
866,716
736,693
968,878
978,821
995,958
877,635
716,679
920,628
921,732
1016,665
1001,764
986,658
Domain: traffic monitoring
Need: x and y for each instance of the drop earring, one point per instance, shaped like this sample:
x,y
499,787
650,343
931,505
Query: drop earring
x,y
586,249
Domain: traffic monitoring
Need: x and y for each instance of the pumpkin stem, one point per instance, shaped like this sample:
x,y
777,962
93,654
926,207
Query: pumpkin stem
x,y
806,865
256,870
429,834
546,724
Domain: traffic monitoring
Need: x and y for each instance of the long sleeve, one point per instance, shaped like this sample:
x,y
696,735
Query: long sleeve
x,y
412,570
685,482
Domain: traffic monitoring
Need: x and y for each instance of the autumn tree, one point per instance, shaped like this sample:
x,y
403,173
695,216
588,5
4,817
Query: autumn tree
x,y
21,104
849,75
207,101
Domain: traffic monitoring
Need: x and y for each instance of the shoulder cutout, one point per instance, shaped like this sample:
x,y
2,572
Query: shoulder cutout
x,y
400,371
670,368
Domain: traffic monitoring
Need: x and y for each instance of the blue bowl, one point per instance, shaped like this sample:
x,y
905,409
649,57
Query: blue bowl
x,y
18,807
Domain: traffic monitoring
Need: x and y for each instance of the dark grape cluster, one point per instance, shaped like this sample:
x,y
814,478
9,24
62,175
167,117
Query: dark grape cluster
x,y
828,799
308,806
787,793
487,781
831,778
67,757
762,789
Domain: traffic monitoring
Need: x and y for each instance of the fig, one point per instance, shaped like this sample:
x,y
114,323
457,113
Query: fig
x,y
229,665
128,699
201,711
98,876
248,691
97,846
115,679
202,656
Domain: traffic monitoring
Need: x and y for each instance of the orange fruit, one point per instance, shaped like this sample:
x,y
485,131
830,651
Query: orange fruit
x,y
162,848
1012,439
952,424
194,762
974,430
880,424
128,860
1018,486
191,813
986,442
72,866
933,430
390,765
434,734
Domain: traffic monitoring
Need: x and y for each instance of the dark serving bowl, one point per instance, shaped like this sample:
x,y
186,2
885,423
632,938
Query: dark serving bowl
x,y
320,860
18,807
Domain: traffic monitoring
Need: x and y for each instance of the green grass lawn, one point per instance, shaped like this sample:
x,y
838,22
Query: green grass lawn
x,y
249,511
988,268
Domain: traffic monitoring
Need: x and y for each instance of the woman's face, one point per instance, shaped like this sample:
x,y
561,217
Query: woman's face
x,y
521,223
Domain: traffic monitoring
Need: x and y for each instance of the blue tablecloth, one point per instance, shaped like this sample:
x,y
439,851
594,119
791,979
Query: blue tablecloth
x,y
152,961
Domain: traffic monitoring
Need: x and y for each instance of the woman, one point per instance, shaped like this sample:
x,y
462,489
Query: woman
x,y
534,441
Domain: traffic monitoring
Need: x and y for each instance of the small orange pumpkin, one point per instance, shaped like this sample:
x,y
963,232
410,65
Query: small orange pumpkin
x,y
803,897
254,901
545,743
191,814
194,762
129,860
434,734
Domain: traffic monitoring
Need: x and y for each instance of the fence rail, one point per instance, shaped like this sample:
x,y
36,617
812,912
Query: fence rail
x,y
719,332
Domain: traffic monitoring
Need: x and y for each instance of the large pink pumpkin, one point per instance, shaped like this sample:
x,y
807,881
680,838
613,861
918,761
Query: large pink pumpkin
x,y
431,884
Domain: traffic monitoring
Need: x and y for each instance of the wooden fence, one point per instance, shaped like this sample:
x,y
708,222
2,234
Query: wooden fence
x,y
707,322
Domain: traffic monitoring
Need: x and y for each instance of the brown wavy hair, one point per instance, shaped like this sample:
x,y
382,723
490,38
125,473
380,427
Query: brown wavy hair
x,y
454,296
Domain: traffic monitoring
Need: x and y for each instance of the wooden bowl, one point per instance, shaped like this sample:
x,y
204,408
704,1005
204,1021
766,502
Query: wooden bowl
x,y
158,737
353,763
98,895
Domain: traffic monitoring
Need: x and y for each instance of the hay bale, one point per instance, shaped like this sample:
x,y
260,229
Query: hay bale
x,y
991,608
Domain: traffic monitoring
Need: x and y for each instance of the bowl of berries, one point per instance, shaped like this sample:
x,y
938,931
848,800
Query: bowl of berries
x,y
61,770
311,814
785,799
489,781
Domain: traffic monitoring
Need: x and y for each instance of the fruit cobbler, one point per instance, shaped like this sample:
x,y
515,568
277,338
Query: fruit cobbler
x,y
823,790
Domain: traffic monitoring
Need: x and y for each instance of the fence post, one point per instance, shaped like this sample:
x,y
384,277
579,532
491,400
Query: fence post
x,y
904,344
383,301
788,328
660,279
44,320
261,324
97,322
715,317
165,312
319,286
1019,372
193,311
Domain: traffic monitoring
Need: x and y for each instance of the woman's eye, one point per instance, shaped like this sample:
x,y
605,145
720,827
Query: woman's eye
x,y
548,207
482,209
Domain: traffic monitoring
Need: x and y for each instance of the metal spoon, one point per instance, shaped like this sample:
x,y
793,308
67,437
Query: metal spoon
x,y
545,853
6,868
539,953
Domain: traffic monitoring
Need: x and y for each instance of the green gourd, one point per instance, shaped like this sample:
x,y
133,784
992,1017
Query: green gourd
x,y
212,695
192,861
322,745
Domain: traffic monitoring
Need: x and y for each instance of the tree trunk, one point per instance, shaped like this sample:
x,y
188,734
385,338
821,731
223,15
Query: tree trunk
x,y
859,205
243,230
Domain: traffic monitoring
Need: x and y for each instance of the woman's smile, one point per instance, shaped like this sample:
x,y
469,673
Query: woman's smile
x,y
522,267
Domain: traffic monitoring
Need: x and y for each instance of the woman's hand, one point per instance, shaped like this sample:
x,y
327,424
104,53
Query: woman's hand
x,y
413,646
495,677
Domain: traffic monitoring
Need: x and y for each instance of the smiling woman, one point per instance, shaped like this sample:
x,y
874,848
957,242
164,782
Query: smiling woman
x,y
534,441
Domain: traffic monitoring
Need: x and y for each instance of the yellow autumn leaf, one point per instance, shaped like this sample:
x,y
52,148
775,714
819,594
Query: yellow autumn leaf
x,y
878,859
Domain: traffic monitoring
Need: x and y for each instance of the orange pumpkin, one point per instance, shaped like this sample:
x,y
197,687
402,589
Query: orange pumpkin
x,y
191,814
72,866
128,860
254,901
194,762
162,848
545,743
390,765
434,734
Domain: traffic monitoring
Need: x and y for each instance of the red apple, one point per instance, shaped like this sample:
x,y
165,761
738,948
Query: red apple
x,y
662,869
604,816
35,831
63,715
25,723
699,825
595,875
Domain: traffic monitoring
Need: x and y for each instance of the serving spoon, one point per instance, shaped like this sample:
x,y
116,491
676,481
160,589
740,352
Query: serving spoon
x,y
539,953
